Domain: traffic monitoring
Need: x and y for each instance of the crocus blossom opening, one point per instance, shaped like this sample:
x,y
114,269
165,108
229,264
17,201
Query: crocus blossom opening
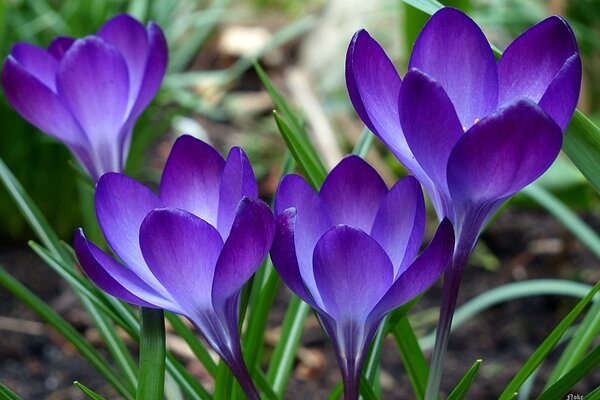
x,y
497,125
89,92
350,250
189,249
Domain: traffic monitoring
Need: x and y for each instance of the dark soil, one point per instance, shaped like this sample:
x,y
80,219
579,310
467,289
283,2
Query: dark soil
x,y
38,364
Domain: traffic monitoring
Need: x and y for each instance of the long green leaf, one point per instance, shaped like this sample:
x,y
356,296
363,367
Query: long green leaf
x,y
593,395
365,389
151,383
462,389
88,392
575,374
544,349
7,394
65,329
412,356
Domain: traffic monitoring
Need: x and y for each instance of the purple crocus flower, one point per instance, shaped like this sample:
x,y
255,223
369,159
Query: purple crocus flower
x,y
349,252
89,92
188,250
474,131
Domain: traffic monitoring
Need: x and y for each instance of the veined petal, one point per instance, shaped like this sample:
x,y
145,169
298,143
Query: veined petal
x,y
93,81
116,279
121,205
311,221
352,193
400,223
502,154
59,46
453,50
430,124
560,99
38,62
129,36
191,179
238,181
181,250
245,248
352,273
421,274
533,60
373,85
283,254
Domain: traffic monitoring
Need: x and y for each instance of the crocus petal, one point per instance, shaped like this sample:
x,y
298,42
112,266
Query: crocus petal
x,y
39,105
430,124
423,273
37,62
121,205
238,181
59,46
400,223
311,222
181,250
130,38
116,279
245,248
99,104
373,85
352,273
352,193
283,254
156,66
560,99
454,51
502,154
191,179
533,60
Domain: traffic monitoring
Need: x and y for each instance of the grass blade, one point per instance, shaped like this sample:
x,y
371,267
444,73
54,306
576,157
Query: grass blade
x,y
462,389
412,356
544,349
7,394
151,381
88,392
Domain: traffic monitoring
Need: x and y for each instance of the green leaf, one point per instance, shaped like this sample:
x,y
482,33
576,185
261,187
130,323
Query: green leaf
x,y
337,391
412,356
66,330
7,394
593,395
151,381
284,355
427,6
372,365
544,349
582,339
575,374
581,143
364,143
462,389
365,389
87,391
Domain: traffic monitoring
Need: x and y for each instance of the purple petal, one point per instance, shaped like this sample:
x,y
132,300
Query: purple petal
x,y
533,60
352,193
311,222
373,85
245,248
37,62
92,80
352,273
400,223
454,51
42,108
121,205
156,66
59,46
238,181
430,124
116,279
422,273
191,179
130,38
182,250
283,254
502,154
560,99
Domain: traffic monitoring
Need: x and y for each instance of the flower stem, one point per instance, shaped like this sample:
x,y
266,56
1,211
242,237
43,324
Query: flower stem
x,y
152,355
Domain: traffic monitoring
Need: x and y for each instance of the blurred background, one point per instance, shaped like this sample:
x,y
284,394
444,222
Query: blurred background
x,y
212,92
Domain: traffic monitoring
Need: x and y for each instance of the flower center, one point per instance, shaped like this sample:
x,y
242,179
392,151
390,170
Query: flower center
x,y
474,122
